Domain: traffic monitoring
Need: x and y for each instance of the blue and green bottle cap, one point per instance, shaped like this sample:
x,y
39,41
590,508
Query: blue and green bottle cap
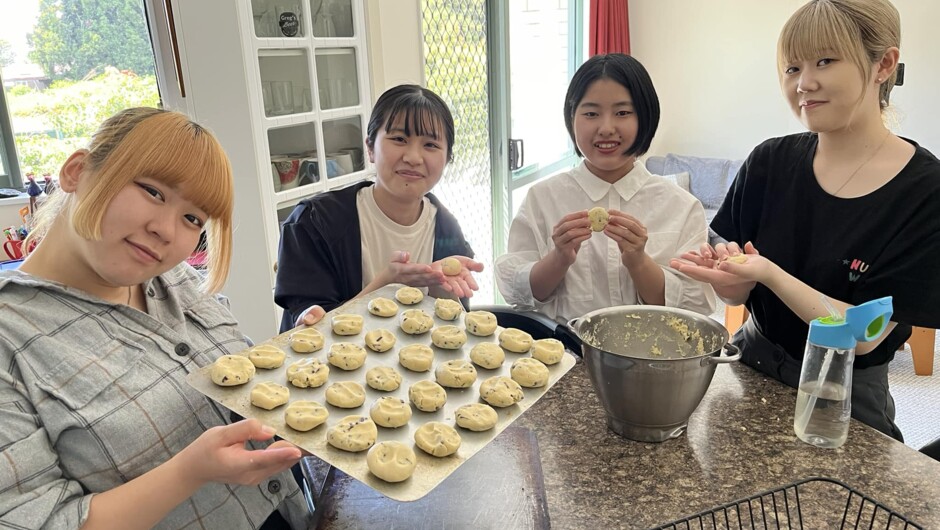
x,y
862,323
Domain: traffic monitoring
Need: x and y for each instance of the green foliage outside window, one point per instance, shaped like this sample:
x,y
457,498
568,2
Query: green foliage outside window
x,y
98,56
69,112
75,38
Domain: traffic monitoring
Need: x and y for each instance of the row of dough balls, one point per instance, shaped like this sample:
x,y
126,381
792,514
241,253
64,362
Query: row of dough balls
x,y
232,370
389,461
412,321
427,395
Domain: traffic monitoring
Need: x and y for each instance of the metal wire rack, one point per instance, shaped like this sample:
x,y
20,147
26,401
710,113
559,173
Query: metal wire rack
x,y
812,503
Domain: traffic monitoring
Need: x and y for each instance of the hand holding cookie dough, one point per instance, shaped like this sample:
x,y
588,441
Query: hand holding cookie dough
x,y
457,275
631,237
568,234
731,270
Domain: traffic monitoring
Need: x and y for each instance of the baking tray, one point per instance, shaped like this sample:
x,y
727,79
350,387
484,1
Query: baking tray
x,y
430,470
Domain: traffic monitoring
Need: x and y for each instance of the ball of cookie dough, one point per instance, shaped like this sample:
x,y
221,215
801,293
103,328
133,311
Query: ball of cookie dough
x,y
353,434
529,372
448,337
416,357
306,340
234,370
476,417
308,373
487,355
346,355
515,340
599,218
347,324
416,322
409,295
383,307
737,258
345,394
501,391
305,415
269,395
457,373
451,266
447,309
266,356
427,396
549,351
480,323
390,412
437,439
383,378
391,461
380,340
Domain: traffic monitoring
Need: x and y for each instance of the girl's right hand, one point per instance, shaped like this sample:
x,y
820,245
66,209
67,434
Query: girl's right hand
x,y
399,270
572,230
219,455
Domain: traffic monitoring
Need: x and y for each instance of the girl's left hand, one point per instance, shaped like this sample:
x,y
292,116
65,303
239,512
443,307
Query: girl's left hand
x,y
462,284
630,235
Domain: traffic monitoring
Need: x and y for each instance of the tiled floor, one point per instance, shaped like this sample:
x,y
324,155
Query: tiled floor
x,y
916,398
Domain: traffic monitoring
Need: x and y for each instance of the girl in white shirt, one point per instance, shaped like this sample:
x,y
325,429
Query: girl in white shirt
x,y
555,263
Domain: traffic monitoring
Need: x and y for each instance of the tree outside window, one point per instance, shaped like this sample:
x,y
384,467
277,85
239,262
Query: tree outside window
x,y
81,61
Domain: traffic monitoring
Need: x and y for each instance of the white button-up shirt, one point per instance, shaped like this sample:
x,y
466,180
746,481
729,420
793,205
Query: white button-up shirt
x,y
674,219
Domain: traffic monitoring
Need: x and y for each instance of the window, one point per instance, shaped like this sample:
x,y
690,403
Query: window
x,y
66,66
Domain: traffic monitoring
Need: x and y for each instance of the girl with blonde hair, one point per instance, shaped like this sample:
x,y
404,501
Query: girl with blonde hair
x,y
100,327
848,210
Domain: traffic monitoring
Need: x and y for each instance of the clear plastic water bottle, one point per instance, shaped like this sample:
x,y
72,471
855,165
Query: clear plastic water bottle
x,y
824,396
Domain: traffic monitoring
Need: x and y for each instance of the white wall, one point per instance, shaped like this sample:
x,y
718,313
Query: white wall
x,y
10,212
714,66
396,47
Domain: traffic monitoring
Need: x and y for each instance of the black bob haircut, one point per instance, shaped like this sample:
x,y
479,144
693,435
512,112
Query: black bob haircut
x,y
627,71
423,112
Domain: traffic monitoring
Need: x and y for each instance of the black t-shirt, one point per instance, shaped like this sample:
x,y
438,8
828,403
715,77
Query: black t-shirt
x,y
886,243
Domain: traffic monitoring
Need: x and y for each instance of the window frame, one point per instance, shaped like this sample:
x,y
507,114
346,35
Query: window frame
x,y
10,175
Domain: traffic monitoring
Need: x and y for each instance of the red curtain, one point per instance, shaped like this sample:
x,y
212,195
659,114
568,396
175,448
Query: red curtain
x,y
610,27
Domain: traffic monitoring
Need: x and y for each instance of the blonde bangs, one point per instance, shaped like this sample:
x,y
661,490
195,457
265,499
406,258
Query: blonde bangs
x,y
819,29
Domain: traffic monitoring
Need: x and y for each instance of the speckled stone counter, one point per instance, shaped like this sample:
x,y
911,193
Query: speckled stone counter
x,y
739,442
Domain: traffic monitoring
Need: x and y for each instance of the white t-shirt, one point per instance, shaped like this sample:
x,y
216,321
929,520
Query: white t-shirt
x,y
381,236
675,223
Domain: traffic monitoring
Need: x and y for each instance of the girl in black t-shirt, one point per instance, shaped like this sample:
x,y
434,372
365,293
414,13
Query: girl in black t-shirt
x,y
849,210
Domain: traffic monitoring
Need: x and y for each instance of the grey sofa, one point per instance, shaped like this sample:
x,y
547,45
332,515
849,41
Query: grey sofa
x,y
708,178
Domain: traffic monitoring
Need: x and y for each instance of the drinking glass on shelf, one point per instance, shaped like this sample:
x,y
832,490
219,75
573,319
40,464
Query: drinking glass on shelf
x,y
266,97
268,24
323,23
307,99
282,97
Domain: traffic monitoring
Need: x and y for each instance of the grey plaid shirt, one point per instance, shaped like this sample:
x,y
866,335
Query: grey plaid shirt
x,y
93,394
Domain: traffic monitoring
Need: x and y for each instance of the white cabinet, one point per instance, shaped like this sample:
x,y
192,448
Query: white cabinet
x,y
284,85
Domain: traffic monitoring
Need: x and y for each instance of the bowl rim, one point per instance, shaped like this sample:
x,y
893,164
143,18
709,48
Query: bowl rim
x,y
574,325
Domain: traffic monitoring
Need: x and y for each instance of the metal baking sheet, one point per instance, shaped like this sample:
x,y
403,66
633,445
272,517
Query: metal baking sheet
x,y
430,470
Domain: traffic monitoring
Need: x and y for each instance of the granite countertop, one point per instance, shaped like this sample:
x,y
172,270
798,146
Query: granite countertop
x,y
739,442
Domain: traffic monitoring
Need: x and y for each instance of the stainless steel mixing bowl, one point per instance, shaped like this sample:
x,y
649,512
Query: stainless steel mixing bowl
x,y
651,365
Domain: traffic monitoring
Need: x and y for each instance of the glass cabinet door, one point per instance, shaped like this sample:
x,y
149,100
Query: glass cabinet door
x,y
332,18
